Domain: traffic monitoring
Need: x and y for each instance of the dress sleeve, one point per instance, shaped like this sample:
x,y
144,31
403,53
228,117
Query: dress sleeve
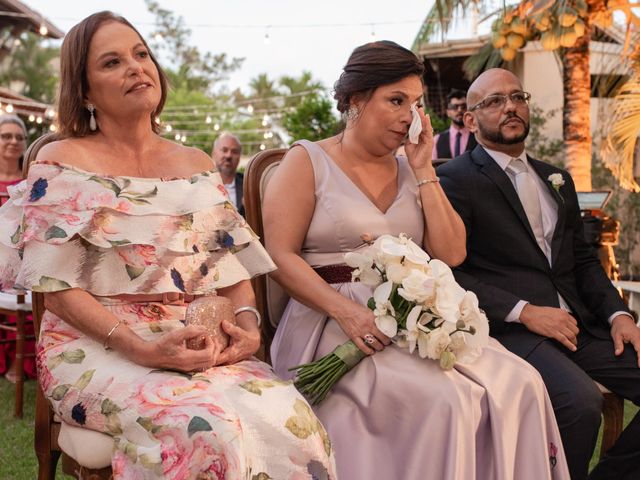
x,y
65,228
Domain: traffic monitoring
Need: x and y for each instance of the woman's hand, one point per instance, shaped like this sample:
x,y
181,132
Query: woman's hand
x,y
170,352
243,344
358,323
419,154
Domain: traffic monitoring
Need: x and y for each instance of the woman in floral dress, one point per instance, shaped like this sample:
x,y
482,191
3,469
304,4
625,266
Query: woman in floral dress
x,y
121,228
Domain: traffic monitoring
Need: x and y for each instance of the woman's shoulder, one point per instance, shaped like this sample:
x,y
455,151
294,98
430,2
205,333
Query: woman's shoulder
x,y
193,159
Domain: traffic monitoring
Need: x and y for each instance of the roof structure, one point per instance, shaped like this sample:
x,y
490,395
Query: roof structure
x,y
20,18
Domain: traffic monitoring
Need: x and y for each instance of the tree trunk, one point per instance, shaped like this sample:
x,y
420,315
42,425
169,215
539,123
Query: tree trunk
x,y
576,118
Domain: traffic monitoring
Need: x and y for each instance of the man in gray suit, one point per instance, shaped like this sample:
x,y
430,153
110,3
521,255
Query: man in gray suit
x,y
226,156
546,295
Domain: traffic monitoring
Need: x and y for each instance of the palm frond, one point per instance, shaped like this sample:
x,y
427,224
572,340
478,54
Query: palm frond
x,y
487,57
619,147
439,18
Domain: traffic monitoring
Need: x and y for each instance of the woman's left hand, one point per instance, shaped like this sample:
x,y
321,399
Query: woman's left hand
x,y
419,154
243,343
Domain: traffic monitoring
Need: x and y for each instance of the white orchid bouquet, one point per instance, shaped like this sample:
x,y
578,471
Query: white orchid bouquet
x,y
416,302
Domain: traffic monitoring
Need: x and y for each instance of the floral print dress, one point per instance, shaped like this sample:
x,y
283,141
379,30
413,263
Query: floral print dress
x,y
67,228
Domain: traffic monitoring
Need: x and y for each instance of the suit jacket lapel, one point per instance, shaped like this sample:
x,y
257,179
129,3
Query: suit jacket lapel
x,y
543,170
491,169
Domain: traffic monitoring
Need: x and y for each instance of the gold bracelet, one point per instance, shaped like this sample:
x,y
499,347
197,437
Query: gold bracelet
x,y
113,329
424,181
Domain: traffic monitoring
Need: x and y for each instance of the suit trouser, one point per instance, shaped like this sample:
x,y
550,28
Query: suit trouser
x,y
577,402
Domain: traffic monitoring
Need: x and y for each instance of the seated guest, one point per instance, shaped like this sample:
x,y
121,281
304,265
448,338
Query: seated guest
x,y
458,139
13,141
120,228
541,285
226,156
395,415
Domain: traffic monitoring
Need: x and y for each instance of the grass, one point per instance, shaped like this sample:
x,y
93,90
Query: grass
x,y
17,456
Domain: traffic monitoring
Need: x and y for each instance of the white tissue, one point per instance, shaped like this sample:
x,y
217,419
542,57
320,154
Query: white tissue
x,y
416,124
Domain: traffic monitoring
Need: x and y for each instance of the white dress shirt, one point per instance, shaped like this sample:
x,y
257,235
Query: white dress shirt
x,y
549,209
231,191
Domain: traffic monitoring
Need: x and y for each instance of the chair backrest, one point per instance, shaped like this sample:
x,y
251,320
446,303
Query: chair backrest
x,y
270,297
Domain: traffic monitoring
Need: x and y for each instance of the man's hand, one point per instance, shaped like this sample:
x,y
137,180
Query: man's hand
x,y
624,330
553,323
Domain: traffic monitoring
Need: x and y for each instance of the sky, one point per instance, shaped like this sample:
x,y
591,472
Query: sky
x,y
316,36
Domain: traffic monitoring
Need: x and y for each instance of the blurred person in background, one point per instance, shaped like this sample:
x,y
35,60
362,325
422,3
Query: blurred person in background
x,y
13,143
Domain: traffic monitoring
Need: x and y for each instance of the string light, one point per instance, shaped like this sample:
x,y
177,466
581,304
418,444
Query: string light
x,y
32,118
50,112
17,42
168,128
183,138
250,108
265,120
52,127
158,37
177,137
216,127
262,146
43,30
9,108
208,119
39,120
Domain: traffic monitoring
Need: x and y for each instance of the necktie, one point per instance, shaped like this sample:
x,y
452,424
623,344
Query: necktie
x,y
456,151
528,193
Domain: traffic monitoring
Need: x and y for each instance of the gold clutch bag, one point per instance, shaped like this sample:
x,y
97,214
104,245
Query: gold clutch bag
x,y
210,311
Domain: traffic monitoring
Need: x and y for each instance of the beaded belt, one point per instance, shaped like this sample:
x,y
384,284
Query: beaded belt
x,y
335,273
168,298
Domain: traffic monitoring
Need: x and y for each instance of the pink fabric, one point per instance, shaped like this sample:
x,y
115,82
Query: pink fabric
x,y
453,130
395,415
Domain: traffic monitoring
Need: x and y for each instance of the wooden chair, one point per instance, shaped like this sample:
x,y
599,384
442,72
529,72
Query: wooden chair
x,y
16,306
47,427
271,298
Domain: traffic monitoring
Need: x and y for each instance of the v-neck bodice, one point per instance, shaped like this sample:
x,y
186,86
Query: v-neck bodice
x,y
343,213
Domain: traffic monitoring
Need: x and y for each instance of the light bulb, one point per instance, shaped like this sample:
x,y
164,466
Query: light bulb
x,y
216,127
208,119
262,146
43,30
9,108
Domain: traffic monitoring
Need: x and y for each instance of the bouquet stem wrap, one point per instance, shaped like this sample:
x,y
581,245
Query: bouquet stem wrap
x,y
315,379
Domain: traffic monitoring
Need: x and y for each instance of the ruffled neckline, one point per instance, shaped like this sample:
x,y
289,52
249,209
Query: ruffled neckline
x,y
66,166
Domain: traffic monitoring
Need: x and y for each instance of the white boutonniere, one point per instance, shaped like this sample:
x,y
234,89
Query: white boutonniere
x,y
556,181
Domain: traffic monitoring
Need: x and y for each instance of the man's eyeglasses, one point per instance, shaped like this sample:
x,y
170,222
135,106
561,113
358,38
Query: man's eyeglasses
x,y
459,106
494,102
6,137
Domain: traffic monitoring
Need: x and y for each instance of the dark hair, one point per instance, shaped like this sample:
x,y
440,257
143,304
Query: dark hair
x,y
73,117
456,93
371,66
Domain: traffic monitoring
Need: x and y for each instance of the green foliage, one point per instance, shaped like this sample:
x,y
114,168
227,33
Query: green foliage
x,y
189,69
312,118
438,123
539,145
625,207
31,64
